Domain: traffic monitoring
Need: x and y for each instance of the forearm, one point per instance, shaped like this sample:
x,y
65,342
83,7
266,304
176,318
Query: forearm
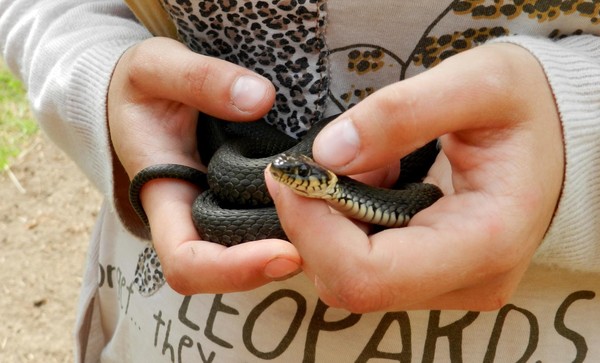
x,y
572,67
65,52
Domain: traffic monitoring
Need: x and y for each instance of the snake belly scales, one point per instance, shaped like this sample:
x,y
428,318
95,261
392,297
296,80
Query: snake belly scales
x,y
236,207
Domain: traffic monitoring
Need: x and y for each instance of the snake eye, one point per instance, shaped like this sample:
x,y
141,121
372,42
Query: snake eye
x,y
303,170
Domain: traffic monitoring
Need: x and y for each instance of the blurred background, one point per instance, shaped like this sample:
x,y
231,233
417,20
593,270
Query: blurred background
x,y
47,210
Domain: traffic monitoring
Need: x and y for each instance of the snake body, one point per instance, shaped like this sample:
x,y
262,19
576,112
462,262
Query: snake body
x,y
237,207
384,207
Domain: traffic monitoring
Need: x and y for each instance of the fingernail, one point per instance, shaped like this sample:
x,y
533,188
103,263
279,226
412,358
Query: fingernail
x,y
279,268
337,144
247,92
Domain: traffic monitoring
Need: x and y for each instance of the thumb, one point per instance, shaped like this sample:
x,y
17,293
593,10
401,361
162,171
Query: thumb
x,y
456,95
161,68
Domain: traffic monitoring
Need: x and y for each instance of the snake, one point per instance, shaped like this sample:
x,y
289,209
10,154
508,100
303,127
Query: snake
x,y
235,206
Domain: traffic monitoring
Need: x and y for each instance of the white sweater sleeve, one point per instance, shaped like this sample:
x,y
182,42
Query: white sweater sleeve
x,y
65,51
572,66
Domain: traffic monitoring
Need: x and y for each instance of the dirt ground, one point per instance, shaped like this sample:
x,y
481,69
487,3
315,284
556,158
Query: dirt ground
x,y
47,210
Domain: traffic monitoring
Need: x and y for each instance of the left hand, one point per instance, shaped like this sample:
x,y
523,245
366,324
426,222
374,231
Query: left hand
x,y
501,169
155,93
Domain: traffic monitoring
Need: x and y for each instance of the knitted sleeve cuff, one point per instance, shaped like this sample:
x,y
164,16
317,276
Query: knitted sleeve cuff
x,y
572,66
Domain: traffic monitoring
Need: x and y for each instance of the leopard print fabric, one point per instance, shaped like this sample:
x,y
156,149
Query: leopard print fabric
x,y
283,40
148,272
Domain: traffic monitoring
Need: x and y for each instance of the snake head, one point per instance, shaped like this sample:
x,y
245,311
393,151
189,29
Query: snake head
x,y
303,175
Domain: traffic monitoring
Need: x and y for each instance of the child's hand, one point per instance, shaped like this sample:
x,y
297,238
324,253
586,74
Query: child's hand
x,y
501,170
154,94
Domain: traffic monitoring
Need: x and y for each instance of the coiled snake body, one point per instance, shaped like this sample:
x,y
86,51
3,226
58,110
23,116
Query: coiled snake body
x,y
237,207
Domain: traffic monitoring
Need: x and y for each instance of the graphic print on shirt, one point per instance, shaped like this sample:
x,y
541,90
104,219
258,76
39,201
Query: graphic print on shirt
x,y
371,66
148,272
286,42
279,324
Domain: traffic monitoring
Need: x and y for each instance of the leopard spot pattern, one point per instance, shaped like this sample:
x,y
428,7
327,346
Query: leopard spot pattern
x,y
282,40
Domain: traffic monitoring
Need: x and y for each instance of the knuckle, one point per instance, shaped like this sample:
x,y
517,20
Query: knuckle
x,y
506,255
494,301
140,66
490,72
176,271
388,118
196,76
360,296
497,76
176,281
396,105
493,82
390,99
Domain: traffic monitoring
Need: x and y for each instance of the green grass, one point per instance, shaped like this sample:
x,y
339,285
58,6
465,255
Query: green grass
x,y
17,125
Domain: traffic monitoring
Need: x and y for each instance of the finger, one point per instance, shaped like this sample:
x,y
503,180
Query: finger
x,y
298,214
204,267
194,266
406,115
214,86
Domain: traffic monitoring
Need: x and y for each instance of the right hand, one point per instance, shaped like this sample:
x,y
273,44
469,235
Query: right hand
x,y
155,92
